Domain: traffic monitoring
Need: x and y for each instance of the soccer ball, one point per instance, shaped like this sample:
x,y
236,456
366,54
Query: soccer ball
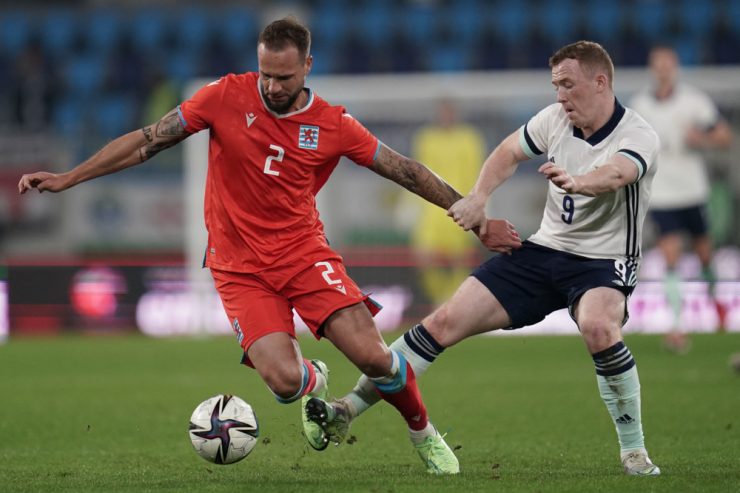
x,y
223,429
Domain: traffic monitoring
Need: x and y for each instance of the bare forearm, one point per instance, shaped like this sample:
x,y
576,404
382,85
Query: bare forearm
x,y
121,153
497,168
599,181
131,149
415,177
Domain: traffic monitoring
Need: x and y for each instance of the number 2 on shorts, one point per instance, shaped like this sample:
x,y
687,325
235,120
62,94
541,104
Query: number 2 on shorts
x,y
328,271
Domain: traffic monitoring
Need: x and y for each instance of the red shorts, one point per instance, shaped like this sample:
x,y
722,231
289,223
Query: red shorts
x,y
262,303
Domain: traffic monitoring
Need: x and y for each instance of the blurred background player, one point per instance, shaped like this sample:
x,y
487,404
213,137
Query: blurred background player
x,y
444,254
273,145
687,122
584,256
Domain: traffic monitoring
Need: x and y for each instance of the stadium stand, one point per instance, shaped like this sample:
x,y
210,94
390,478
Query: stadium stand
x,y
117,53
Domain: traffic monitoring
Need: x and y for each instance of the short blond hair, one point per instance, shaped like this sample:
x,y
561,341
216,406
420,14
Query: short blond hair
x,y
591,55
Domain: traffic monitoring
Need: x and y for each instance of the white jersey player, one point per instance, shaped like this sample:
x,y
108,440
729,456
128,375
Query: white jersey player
x,y
606,225
687,122
683,181
603,162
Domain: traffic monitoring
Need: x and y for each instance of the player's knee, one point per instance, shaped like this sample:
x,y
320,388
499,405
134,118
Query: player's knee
x,y
285,383
598,332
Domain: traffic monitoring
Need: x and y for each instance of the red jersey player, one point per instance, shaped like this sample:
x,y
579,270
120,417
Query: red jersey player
x,y
273,145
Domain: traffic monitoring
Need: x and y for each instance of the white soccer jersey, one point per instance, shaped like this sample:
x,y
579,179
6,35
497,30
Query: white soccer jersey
x,y
606,226
682,180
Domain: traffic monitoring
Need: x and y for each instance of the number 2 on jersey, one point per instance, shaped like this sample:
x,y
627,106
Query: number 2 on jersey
x,y
569,207
279,158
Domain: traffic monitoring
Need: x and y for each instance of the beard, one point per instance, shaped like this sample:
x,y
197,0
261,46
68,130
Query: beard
x,y
283,107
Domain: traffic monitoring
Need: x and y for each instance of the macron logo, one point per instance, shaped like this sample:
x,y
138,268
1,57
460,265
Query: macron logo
x,y
251,117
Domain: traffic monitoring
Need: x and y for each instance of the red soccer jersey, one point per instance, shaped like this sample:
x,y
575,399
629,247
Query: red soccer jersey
x,y
265,169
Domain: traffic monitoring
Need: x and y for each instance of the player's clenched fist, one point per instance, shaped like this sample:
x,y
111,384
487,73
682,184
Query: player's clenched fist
x,y
469,213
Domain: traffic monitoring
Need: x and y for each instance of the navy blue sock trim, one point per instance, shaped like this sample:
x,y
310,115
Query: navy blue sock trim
x,y
422,343
608,351
614,360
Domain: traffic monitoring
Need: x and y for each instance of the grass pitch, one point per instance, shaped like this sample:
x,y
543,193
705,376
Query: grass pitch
x,y
111,414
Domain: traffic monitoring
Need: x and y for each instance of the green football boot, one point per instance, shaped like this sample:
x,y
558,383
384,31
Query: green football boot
x,y
437,455
314,433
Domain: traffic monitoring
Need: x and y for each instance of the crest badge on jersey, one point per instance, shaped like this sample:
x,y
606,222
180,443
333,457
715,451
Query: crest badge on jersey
x,y
308,137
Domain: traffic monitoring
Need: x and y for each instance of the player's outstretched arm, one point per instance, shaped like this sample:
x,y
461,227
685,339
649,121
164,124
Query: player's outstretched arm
x,y
469,212
414,177
420,180
128,150
616,173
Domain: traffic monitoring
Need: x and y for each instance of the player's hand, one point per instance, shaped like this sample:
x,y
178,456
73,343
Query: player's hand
x,y
694,138
500,236
43,181
469,213
559,177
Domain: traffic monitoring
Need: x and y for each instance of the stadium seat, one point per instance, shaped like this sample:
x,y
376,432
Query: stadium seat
x,y
15,31
602,19
466,21
420,22
697,18
329,24
445,57
237,28
84,75
68,116
650,18
490,52
689,51
722,43
558,20
192,29
104,29
511,21
324,57
149,30
58,32
372,22
733,13
114,115
181,66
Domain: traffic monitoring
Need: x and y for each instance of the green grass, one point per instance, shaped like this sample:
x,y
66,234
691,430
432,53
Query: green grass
x,y
110,414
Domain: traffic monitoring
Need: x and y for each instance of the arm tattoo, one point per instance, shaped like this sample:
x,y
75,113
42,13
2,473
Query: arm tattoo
x,y
415,177
170,125
162,135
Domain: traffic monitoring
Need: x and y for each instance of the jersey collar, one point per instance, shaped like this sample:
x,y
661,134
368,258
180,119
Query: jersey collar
x,y
607,129
285,115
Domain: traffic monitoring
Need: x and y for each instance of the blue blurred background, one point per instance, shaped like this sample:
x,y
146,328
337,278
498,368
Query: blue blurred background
x,y
75,74
103,65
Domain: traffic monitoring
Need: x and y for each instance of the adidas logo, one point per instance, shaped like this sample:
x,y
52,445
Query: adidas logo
x,y
625,419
